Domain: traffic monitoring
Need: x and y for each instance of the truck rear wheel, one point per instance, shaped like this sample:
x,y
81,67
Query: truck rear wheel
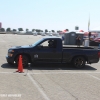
x,y
25,60
79,62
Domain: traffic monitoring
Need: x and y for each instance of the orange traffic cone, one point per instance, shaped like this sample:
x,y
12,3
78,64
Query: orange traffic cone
x,y
20,65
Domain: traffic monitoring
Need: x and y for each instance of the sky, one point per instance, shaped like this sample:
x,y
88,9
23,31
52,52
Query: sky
x,y
50,14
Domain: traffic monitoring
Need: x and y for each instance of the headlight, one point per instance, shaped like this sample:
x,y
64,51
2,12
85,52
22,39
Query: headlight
x,y
10,50
10,55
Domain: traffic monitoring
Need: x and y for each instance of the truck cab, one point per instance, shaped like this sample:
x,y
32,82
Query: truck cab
x,y
48,49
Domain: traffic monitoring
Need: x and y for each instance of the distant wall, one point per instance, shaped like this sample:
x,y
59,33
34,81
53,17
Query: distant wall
x,y
2,32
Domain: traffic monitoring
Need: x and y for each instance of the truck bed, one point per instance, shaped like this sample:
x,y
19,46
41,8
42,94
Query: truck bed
x,y
75,47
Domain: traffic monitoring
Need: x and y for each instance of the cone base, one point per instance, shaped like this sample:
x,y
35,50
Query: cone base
x,y
20,72
17,71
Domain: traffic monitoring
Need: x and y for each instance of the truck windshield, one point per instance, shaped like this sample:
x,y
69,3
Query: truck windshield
x,y
37,42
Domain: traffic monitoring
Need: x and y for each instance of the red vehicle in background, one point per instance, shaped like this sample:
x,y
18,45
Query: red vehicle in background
x,y
97,39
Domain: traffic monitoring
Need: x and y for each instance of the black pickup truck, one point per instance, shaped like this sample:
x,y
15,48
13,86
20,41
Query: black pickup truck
x,y
50,49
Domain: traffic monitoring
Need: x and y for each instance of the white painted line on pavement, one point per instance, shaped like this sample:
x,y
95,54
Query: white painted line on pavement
x,y
40,90
66,73
51,73
94,77
11,73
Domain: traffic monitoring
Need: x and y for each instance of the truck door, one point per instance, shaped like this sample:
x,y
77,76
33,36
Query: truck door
x,y
48,51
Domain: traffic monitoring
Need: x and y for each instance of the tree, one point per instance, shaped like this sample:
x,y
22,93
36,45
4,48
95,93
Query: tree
x,y
14,30
2,29
20,29
41,30
46,30
38,30
27,30
33,30
67,29
8,29
59,31
52,31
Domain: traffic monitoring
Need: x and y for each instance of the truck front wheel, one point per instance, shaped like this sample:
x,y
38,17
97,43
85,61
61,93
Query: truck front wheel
x,y
79,62
10,63
25,60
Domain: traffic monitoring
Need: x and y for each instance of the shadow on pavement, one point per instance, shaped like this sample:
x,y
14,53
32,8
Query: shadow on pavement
x,y
51,66
6,65
13,66
48,66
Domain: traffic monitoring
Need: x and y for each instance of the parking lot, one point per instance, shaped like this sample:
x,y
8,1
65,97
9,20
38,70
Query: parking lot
x,y
45,81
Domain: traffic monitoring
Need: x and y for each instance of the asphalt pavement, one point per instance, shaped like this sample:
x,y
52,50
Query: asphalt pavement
x,y
45,81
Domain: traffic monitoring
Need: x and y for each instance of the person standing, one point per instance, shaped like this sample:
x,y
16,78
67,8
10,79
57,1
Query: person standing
x,y
78,41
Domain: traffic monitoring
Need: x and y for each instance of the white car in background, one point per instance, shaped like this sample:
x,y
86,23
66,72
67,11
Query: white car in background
x,y
22,31
97,39
43,34
50,33
34,33
47,33
56,34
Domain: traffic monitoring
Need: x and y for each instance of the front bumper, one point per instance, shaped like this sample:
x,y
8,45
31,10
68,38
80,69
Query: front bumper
x,y
10,59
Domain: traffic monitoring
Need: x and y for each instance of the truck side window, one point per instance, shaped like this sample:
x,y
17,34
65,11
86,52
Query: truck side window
x,y
44,44
52,43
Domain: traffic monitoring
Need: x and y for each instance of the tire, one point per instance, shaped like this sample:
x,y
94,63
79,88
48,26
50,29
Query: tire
x,y
25,60
79,62
10,63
